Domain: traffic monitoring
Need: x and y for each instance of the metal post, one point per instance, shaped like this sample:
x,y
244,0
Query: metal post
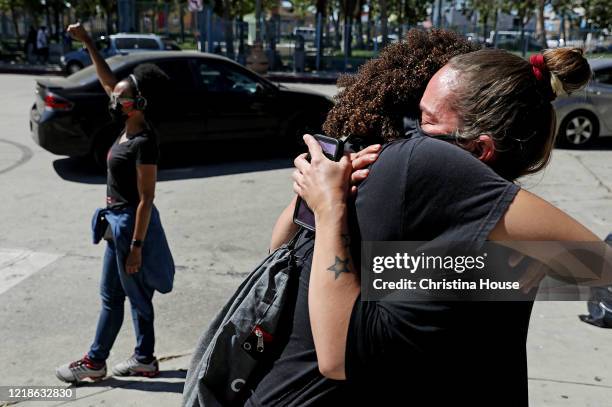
x,y
258,21
122,10
182,20
134,21
201,18
209,29
346,42
495,36
318,40
375,37
166,14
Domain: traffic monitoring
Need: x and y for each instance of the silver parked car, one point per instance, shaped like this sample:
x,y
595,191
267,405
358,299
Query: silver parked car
x,y
586,115
122,43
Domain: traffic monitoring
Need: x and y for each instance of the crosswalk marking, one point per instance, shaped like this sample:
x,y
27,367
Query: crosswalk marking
x,y
17,264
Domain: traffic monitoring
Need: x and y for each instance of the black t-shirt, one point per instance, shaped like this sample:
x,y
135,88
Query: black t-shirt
x,y
122,159
405,353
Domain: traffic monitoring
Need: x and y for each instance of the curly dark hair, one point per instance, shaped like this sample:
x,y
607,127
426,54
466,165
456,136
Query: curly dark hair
x,y
153,85
386,89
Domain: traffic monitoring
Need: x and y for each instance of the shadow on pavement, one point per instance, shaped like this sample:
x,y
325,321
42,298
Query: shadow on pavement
x,y
178,165
142,384
602,143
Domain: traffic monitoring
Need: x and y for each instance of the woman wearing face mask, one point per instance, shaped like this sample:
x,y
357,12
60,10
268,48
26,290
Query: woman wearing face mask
x,y
137,261
498,108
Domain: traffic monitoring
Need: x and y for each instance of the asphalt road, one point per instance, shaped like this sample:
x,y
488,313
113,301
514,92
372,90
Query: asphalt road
x,y
218,217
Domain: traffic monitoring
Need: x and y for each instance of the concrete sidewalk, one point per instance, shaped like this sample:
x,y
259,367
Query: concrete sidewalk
x,y
164,390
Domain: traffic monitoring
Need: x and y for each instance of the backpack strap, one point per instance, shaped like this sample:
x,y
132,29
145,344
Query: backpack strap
x,y
301,233
291,243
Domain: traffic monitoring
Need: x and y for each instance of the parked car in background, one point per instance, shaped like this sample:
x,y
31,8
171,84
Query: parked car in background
x,y
211,99
475,38
115,44
511,40
391,38
308,33
10,52
587,115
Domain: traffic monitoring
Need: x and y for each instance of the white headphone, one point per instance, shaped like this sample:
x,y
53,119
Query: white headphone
x,y
140,102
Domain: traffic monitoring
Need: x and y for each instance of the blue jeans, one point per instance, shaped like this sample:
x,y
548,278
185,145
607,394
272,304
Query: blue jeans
x,y
114,287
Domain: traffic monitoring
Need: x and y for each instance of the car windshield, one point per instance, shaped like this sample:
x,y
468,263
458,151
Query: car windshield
x,y
131,43
88,75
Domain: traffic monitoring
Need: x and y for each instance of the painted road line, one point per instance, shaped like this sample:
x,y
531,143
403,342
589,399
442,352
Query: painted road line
x,y
16,265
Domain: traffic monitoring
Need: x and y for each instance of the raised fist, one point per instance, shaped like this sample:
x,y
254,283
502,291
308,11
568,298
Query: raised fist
x,y
78,32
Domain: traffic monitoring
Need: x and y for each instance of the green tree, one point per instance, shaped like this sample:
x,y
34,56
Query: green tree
x,y
110,8
347,9
540,23
230,10
358,23
599,13
384,20
13,7
486,10
562,8
21,8
524,10
415,11
409,12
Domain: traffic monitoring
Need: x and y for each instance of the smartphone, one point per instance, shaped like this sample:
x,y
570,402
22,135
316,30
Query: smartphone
x,y
332,149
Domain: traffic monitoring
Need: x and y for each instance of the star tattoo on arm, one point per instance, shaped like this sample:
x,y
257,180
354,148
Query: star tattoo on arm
x,y
340,266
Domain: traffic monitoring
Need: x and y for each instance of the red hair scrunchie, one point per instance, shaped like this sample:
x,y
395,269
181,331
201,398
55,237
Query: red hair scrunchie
x,y
538,66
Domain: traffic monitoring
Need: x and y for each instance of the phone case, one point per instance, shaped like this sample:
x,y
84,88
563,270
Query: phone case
x,y
335,156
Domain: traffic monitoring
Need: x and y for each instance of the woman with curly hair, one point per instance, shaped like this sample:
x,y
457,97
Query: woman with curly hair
x,y
137,261
497,108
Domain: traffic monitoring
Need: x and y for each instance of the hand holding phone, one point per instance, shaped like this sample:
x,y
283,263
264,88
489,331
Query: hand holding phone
x,y
332,149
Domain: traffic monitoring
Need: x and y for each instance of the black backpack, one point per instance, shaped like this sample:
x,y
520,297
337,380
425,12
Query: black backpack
x,y
600,304
246,332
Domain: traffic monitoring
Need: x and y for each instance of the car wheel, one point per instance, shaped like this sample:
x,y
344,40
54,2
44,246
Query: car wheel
x,y
578,130
73,67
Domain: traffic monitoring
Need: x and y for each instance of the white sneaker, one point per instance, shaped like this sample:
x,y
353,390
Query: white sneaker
x,y
79,370
132,367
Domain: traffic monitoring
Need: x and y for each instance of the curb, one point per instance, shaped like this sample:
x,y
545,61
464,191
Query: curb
x,y
31,69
